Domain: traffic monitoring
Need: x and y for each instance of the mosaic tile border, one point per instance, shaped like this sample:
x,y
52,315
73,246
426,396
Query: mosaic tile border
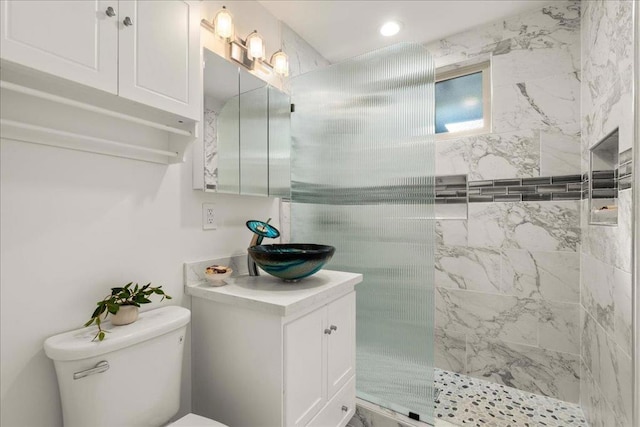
x,y
454,189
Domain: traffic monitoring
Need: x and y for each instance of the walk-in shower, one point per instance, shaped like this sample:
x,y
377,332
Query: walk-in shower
x,y
362,173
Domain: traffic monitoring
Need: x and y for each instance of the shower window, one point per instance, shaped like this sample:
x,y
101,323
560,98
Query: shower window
x,y
463,101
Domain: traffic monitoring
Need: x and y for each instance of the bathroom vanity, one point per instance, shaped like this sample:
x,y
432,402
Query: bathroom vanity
x,y
270,353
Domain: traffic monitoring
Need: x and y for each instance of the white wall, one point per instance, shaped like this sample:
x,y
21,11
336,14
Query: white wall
x,y
75,224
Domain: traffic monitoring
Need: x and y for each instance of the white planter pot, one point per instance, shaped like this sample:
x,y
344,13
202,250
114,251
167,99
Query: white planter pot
x,y
125,315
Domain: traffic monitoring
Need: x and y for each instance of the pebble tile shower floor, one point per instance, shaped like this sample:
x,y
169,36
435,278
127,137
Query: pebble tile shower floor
x,y
467,401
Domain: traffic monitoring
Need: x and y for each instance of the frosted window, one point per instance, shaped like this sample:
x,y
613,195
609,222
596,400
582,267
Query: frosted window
x,y
462,101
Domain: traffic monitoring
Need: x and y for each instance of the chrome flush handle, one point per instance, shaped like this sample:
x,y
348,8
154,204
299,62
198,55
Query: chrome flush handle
x,y
100,367
127,22
110,12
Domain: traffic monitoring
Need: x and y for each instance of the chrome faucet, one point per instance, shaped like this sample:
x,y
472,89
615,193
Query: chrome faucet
x,y
261,230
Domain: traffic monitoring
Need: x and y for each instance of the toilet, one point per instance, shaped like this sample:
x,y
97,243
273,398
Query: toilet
x,y
132,378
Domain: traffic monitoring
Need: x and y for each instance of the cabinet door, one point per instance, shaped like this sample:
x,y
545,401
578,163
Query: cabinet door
x,y
341,317
159,55
304,368
75,40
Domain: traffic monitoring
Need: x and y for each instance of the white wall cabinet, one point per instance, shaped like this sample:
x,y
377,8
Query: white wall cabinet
x,y
69,39
144,51
260,367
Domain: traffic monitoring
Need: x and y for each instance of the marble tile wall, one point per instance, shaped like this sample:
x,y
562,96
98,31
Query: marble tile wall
x,y
508,275
606,286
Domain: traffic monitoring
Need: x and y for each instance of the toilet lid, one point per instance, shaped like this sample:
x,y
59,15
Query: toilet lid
x,y
193,420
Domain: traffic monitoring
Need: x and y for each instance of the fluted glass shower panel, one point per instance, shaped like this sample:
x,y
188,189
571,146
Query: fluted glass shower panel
x,y
362,174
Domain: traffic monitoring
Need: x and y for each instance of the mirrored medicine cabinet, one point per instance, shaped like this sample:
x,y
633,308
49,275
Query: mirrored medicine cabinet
x,y
246,132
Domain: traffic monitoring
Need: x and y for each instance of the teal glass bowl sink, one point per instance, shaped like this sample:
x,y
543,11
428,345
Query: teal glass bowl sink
x,y
291,261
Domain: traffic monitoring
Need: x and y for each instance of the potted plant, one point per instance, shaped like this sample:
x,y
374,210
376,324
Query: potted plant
x,y
123,303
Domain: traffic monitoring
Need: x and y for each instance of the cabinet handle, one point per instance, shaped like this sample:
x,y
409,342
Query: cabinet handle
x,y
345,408
333,327
327,331
127,22
110,12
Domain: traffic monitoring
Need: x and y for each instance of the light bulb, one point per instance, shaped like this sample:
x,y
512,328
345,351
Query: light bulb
x,y
223,23
280,63
255,46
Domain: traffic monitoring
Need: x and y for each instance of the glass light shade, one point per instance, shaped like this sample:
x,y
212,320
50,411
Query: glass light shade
x,y
255,46
223,23
280,63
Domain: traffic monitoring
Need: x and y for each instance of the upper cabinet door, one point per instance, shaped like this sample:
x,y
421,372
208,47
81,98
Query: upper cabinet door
x,y
75,40
341,320
160,55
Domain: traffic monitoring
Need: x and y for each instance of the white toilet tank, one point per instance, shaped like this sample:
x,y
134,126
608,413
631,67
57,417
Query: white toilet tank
x,y
132,378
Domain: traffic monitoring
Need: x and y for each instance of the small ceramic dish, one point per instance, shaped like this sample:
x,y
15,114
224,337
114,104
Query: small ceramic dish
x,y
216,274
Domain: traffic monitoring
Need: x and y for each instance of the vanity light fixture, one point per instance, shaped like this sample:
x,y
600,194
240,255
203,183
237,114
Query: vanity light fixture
x,y
280,63
250,53
255,46
223,24
390,28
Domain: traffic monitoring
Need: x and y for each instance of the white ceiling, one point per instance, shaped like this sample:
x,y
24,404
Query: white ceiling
x,y
341,29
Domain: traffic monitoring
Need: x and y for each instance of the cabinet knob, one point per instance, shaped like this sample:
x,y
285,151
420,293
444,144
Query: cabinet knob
x,y
327,331
345,408
333,327
110,12
127,22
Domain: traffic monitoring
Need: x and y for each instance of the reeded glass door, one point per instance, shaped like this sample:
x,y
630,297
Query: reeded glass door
x,y
362,172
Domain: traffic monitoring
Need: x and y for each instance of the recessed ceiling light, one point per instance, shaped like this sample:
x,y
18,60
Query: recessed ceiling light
x,y
390,28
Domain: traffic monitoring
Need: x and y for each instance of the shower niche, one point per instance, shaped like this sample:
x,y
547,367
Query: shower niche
x,y
603,183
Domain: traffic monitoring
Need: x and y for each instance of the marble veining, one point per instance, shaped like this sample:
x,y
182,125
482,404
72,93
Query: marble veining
x,y
528,368
540,103
462,267
505,155
489,316
210,136
560,150
622,316
597,291
609,369
545,226
549,27
302,56
559,327
450,350
451,232
548,275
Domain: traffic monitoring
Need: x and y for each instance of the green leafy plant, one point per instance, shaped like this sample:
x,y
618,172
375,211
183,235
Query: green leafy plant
x,y
119,296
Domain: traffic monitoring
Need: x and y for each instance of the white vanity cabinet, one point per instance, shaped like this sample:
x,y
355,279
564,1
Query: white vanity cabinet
x,y
319,359
143,51
266,353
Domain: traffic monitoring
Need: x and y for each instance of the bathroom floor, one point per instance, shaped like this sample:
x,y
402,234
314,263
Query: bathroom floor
x,y
469,401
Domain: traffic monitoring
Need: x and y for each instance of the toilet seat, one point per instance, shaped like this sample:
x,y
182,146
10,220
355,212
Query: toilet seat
x,y
193,420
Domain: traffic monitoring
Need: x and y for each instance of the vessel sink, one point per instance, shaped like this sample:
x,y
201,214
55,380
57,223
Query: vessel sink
x,y
291,261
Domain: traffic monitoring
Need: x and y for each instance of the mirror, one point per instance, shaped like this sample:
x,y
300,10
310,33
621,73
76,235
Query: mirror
x,y
246,132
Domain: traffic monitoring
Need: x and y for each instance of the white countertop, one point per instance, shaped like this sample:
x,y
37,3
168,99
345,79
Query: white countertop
x,y
270,294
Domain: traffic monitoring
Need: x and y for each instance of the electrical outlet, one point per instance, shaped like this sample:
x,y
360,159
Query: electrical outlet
x,y
208,217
